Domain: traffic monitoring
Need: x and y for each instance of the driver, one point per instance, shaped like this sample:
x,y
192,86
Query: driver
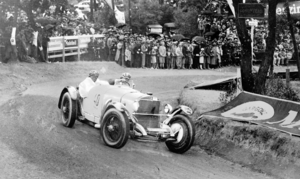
x,y
125,80
88,83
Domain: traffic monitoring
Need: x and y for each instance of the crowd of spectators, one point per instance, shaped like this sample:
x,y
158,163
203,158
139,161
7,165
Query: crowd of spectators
x,y
163,52
217,44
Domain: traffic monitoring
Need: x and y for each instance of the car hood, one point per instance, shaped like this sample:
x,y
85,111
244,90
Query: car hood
x,y
146,103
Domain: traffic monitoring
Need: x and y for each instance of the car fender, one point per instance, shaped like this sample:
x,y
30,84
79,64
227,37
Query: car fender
x,y
179,109
70,89
182,108
111,104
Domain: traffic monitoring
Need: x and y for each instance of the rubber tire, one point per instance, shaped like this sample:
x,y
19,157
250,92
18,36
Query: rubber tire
x,y
68,121
125,128
188,135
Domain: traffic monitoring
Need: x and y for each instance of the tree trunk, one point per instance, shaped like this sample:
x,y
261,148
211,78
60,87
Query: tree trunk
x,y
14,52
28,9
246,58
92,10
261,77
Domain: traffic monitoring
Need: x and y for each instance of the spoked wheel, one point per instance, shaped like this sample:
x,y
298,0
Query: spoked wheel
x,y
68,110
185,134
115,128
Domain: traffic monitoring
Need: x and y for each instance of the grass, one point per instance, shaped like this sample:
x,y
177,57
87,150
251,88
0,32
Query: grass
x,y
255,146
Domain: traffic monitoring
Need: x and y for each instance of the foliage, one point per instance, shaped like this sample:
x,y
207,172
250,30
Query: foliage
x,y
275,87
145,13
105,17
229,94
187,22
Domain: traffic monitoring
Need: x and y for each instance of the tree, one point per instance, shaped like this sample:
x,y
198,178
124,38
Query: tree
x,y
249,81
146,12
186,22
261,77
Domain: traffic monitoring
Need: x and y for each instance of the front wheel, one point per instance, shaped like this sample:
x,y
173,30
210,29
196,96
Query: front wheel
x,y
115,128
68,110
185,134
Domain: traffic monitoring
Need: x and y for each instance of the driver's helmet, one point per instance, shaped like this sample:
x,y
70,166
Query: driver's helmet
x,y
126,76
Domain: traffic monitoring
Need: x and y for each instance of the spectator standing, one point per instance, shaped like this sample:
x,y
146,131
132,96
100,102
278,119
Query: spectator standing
x,y
179,56
136,53
138,62
113,50
109,46
97,46
169,56
131,48
196,55
201,23
144,52
118,52
226,54
201,55
162,54
153,56
185,55
102,49
148,54
215,55
207,59
173,55
190,49
127,57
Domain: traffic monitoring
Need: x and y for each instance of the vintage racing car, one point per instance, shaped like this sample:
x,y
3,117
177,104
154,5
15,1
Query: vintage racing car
x,y
122,112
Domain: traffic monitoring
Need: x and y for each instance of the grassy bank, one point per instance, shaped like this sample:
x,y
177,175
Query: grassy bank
x,y
257,147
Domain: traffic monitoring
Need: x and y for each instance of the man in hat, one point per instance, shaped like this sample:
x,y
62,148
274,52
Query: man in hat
x,y
179,55
89,82
109,44
144,51
196,56
168,53
173,54
162,54
148,53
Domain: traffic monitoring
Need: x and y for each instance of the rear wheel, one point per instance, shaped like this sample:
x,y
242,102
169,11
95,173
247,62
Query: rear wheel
x,y
115,128
185,134
68,110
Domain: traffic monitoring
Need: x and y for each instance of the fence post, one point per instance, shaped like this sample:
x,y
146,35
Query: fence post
x,y
63,42
47,48
288,77
78,48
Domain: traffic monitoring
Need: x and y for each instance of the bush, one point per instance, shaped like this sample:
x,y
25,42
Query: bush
x,y
275,87
230,93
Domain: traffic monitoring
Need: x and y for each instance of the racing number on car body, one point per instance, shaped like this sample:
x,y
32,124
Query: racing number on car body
x,y
97,99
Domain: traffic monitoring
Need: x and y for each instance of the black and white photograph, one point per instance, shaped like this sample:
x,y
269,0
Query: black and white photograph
x,y
149,89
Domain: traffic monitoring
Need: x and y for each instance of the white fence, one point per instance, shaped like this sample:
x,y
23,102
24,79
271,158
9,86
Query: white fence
x,y
60,47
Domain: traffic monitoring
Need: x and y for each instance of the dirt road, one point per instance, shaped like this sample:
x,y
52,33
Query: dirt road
x,y
34,144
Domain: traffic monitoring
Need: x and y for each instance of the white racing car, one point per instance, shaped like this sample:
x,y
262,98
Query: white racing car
x,y
122,112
